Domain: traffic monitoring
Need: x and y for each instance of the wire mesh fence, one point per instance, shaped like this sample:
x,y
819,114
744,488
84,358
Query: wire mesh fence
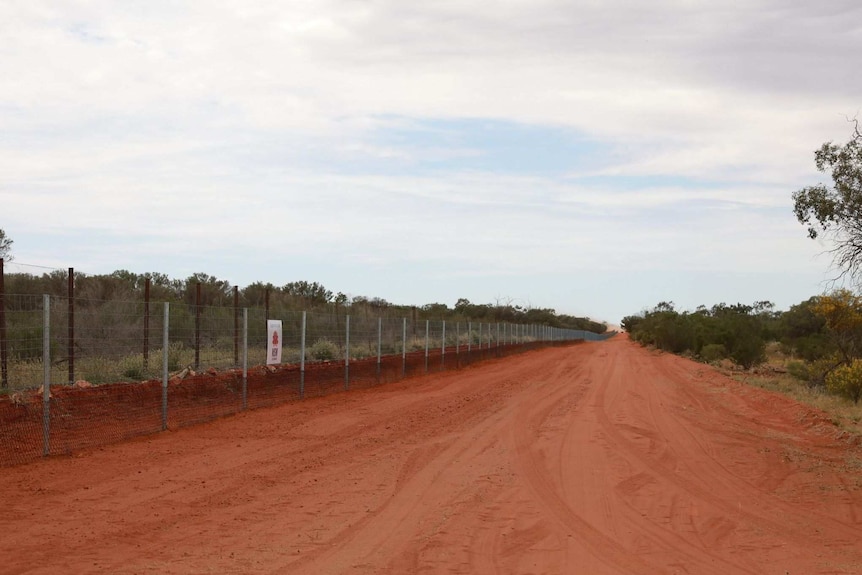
x,y
79,373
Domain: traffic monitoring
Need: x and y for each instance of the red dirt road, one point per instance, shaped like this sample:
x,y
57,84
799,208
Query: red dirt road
x,y
600,458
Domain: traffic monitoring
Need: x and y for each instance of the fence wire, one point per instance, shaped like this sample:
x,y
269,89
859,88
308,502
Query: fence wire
x,y
80,373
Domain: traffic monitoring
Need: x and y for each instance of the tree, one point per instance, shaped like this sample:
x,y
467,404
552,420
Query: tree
x,y
312,292
836,212
734,331
842,311
5,246
631,322
255,294
804,333
214,292
435,310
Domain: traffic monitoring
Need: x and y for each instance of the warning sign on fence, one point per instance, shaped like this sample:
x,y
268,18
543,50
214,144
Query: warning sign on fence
x,y
273,337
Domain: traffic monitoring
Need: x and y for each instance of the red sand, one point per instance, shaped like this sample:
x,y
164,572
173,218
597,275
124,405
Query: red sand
x,y
598,458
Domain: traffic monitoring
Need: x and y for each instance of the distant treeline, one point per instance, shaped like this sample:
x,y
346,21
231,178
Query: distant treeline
x,y
822,336
738,332
123,285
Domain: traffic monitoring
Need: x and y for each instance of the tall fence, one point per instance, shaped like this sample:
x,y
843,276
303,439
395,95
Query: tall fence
x,y
81,373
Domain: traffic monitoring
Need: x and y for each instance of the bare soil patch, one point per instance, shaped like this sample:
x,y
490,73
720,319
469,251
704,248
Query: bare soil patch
x,y
600,458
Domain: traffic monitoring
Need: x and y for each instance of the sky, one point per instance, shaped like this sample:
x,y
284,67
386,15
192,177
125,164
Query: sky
x,y
594,157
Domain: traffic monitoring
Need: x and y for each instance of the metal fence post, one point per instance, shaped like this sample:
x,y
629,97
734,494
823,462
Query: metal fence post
x,y
198,326
244,357
404,347
146,362
457,344
427,333
469,339
302,357
235,325
379,345
347,353
443,346
46,374
4,369
71,342
165,337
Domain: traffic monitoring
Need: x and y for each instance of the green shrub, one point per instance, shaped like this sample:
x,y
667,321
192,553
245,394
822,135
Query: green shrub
x,y
712,352
363,350
323,350
800,370
747,349
175,355
24,342
290,355
814,373
846,381
133,368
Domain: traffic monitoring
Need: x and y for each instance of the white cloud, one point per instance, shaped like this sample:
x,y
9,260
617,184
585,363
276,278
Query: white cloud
x,y
184,123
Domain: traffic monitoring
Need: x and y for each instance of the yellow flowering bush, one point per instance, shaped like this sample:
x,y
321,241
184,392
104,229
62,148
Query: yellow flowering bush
x,y
846,381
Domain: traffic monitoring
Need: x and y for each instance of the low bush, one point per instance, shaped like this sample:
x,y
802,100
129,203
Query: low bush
x,y
846,381
713,352
799,370
324,350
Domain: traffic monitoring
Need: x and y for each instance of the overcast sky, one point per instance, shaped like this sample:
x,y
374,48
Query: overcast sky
x,y
595,157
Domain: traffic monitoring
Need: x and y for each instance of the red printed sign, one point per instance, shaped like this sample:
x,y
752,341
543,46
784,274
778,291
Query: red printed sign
x,y
273,329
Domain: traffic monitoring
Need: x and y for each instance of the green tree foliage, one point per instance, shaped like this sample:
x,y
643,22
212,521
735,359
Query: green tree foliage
x,y
5,246
822,334
803,332
836,211
254,295
214,292
471,311
713,352
313,293
741,329
126,286
842,313
435,309
735,331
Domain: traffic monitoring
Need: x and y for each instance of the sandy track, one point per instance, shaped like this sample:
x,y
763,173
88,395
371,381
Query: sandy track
x,y
598,458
